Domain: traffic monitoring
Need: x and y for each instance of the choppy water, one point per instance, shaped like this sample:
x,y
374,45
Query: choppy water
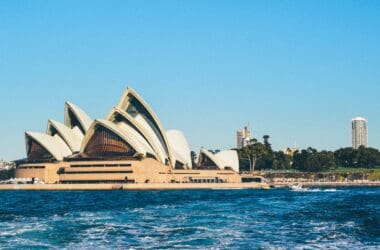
x,y
218,219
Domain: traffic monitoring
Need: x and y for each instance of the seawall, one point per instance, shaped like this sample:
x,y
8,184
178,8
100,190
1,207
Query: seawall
x,y
136,186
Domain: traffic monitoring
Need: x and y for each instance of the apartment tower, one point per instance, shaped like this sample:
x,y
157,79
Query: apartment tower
x,y
359,132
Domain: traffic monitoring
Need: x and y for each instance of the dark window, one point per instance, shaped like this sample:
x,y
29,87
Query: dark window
x,y
179,165
251,179
100,172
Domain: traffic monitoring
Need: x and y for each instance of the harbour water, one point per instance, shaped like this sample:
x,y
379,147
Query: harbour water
x,y
343,218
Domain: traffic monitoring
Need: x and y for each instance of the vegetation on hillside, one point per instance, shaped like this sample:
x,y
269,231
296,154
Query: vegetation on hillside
x,y
261,156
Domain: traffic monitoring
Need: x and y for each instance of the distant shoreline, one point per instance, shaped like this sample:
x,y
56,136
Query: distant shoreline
x,y
327,184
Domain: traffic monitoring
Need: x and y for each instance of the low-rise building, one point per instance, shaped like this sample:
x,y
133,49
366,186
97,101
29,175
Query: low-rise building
x,y
243,137
290,151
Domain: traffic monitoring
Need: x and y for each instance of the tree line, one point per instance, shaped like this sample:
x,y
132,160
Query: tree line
x,y
7,174
260,156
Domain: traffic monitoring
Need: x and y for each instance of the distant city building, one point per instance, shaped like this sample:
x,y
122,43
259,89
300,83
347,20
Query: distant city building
x,y
290,151
6,165
359,132
243,137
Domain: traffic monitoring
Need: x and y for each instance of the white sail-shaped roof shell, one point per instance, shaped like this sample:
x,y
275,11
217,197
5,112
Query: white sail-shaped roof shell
x,y
136,136
72,137
123,132
84,120
180,147
53,144
229,158
144,131
147,120
211,156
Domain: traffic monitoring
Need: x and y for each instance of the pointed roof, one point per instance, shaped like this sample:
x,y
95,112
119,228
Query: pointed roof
x,y
127,129
144,131
84,120
135,105
53,144
179,146
129,138
228,158
71,137
204,152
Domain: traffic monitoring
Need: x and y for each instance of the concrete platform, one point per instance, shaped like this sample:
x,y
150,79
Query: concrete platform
x,y
142,186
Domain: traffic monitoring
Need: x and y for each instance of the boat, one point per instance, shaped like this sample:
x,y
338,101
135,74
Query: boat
x,y
297,187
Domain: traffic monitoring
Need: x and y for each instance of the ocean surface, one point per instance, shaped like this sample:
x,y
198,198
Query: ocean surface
x,y
342,218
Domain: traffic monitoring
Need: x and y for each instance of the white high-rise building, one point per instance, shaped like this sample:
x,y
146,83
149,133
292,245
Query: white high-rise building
x,y
359,132
243,137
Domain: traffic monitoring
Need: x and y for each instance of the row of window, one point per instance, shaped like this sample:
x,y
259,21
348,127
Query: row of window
x,y
99,165
201,180
99,182
100,172
32,167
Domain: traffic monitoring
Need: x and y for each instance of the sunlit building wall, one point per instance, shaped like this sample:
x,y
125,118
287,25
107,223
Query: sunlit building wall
x,y
359,132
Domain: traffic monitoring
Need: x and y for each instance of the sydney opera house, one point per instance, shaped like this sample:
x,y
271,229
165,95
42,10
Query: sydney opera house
x,y
129,146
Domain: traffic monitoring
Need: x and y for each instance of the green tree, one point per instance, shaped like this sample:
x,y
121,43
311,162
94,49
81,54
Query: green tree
x,y
345,157
251,155
266,142
310,160
281,161
320,161
360,158
300,158
256,154
368,157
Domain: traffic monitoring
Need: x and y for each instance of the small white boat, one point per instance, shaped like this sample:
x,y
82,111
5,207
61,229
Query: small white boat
x,y
297,187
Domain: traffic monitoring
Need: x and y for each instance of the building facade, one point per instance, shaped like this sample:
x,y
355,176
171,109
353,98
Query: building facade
x,y
129,146
359,132
291,151
243,137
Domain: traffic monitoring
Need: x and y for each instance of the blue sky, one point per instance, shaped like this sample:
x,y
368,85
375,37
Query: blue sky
x,y
296,70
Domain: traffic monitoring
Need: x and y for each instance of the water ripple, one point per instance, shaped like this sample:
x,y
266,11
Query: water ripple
x,y
218,219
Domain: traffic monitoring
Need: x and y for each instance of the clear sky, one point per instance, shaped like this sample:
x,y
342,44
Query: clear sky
x,y
296,70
